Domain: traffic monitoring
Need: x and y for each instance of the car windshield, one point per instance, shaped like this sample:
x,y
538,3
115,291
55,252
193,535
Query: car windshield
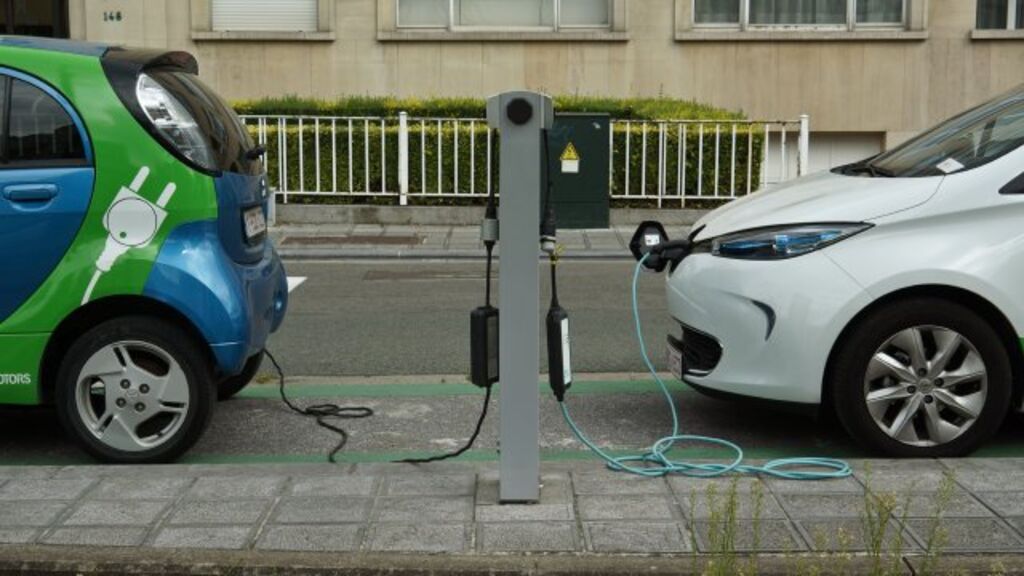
x,y
965,141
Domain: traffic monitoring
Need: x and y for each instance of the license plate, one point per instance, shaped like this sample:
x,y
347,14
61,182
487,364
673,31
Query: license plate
x,y
675,360
255,223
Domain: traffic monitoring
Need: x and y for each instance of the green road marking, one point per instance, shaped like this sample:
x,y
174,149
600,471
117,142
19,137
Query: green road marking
x,y
492,456
455,389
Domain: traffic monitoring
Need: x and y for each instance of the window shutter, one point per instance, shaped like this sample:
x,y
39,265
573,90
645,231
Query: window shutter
x,y
265,15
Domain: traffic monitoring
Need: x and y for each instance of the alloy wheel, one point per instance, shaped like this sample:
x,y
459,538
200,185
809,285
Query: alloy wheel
x,y
925,385
132,396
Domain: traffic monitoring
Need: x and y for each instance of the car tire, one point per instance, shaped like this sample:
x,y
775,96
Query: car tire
x,y
235,384
906,379
135,390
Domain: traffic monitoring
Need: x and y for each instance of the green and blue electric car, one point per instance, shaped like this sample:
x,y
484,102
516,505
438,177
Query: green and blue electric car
x,y
137,282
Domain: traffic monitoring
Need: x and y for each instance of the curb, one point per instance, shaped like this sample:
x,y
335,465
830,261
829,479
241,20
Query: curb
x,y
343,254
97,561
300,214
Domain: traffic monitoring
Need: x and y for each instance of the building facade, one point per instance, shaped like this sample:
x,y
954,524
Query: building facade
x,y
869,72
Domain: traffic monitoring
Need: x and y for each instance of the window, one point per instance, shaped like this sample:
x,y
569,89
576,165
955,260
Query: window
x,y
1000,14
966,141
36,128
34,18
264,15
796,12
807,13
504,14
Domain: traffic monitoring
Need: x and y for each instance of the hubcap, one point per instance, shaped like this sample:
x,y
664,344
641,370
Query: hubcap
x,y
132,396
926,385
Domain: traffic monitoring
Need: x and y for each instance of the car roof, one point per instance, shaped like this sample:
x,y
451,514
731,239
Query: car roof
x,y
55,45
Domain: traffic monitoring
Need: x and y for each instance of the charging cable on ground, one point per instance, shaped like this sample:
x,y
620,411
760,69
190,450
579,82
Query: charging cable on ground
x,y
655,462
484,372
465,448
323,412
483,338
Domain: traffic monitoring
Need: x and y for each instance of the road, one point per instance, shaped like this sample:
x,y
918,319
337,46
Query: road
x,y
401,317
394,336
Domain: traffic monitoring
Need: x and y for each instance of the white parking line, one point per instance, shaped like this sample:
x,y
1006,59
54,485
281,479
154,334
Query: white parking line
x,y
294,282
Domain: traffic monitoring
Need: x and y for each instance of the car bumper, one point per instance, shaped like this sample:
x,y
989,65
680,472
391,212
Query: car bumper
x,y
761,329
235,306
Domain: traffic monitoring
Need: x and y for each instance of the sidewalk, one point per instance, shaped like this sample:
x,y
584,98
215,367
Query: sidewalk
x,y
339,241
451,509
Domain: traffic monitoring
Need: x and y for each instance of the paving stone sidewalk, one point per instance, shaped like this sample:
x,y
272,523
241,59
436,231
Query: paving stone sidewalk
x,y
453,508
430,242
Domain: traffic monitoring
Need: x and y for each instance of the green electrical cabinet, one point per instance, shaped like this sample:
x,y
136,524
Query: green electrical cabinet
x,y
578,170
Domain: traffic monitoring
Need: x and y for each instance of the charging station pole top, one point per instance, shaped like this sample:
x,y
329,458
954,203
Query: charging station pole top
x,y
520,119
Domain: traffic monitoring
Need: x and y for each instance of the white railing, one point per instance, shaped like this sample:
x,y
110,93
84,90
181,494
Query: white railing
x,y
668,162
680,160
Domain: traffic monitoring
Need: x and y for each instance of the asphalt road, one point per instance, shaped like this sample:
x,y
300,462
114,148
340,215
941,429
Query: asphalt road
x,y
402,317
355,328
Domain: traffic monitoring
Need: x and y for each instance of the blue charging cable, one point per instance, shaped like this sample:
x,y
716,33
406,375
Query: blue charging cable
x,y
655,462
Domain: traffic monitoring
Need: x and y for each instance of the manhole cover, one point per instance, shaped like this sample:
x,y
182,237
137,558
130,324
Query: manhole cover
x,y
361,240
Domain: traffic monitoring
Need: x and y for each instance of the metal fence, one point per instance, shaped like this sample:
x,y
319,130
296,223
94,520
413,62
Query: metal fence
x,y
664,163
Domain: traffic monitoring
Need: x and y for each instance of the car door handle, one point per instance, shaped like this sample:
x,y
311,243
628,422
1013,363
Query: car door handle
x,y
30,193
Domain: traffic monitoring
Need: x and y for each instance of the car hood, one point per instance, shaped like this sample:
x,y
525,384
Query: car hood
x,y
822,197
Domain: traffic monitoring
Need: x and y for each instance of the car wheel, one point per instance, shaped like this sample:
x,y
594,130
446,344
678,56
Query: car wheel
x,y
135,390
234,384
922,378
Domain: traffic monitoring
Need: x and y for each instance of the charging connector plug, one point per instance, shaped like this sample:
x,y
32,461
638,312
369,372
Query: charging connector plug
x,y
548,231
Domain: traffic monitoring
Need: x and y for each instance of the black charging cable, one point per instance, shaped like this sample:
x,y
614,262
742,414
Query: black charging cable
x,y
323,412
489,234
465,448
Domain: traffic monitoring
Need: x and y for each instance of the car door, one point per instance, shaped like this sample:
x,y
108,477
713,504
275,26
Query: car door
x,y
46,181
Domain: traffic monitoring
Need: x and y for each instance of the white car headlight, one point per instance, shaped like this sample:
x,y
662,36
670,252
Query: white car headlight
x,y
781,242
174,122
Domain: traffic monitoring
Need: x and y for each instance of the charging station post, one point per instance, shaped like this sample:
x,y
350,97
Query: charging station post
x,y
520,118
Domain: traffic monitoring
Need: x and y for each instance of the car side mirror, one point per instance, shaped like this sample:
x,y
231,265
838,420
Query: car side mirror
x,y
1015,186
648,235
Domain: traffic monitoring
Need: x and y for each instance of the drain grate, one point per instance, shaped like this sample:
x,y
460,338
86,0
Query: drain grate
x,y
419,275
353,239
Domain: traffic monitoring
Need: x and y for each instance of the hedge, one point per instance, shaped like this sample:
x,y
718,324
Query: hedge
x,y
375,181
618,108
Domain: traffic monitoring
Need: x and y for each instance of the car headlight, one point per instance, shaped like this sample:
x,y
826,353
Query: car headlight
x,y
174,122
781,242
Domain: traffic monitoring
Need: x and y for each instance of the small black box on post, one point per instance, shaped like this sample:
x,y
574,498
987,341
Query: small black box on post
x,y
483,338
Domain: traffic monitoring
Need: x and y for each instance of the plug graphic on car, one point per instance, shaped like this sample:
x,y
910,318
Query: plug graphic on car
x,y
131,222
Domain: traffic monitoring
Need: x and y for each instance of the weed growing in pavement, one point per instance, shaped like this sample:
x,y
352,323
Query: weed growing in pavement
x,y
883,522
721,531
884,545
937,536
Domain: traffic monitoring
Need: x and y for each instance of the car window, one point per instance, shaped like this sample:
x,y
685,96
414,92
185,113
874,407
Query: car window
x,y
37,130
966,141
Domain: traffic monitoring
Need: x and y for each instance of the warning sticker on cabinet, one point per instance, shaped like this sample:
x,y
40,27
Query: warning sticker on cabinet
x,y
570,159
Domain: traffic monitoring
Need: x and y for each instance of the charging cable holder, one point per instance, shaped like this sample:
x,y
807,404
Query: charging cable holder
x,y
520,118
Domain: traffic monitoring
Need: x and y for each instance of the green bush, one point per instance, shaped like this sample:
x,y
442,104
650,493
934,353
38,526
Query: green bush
x,y
338,173
698,167
384,106
426,176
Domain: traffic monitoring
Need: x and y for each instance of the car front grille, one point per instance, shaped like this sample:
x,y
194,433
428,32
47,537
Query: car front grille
x,y
701,352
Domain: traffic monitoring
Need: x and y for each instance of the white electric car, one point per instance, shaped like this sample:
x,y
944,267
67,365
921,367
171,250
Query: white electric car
x,y
891,289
